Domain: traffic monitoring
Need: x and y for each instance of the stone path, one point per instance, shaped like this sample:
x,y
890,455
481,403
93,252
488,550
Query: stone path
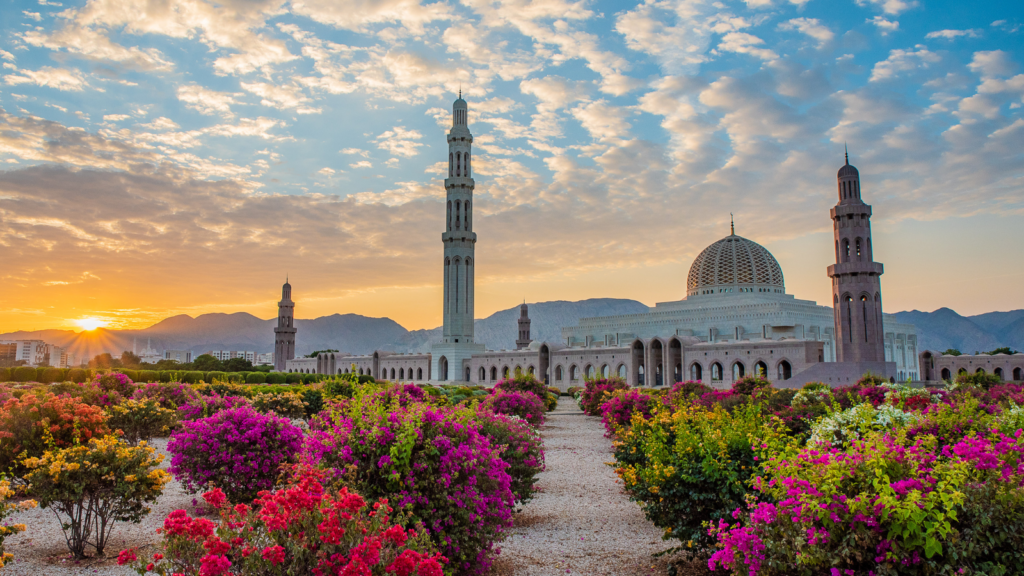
x,y
581,522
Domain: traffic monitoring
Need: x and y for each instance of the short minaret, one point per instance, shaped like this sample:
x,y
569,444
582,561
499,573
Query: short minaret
x,y
524,328
459,242
856,282
284,334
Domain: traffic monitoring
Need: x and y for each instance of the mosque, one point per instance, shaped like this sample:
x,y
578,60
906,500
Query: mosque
x,y
735,320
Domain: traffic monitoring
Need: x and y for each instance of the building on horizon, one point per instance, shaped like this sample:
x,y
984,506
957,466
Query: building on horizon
x,y
223,355
31,352
180,356
264,359
736,318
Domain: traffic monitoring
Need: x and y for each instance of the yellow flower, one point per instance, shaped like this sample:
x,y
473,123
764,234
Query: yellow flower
x,y
19,527
129,478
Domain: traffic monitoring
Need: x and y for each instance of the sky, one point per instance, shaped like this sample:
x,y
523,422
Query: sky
x,y
186,156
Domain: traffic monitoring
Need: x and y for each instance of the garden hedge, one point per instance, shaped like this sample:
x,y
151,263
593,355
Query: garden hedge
x,y
256,378
50,375
218,376
293,378
5,374
23,374
276,378
147,376
132,374
78,375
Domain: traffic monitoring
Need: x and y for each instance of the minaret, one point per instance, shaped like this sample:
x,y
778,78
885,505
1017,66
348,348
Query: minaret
x,y
856,282
524,328
459,242
284,334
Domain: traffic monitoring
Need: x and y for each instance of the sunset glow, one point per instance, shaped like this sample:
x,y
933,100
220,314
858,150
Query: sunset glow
x,y
90,323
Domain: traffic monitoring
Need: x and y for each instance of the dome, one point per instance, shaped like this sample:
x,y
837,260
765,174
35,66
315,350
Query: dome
x,y
848,170
460,104
735,264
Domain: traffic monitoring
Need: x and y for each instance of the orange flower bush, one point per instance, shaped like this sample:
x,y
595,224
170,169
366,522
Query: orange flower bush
x,y
32,424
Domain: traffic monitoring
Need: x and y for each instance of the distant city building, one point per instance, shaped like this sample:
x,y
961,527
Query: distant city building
x,y
8,353
229,354
58,356
182,356
284,333
32,352
264,359
147,355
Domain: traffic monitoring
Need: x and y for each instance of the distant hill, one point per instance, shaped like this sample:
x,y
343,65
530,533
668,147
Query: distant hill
x,y
345,332
944,329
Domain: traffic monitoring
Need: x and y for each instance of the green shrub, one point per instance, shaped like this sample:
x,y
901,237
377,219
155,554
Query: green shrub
x,y
133,374
236,377
146,376
366,379
550,402
91,487
293,378
288,404
981,379
78,375
216,376
166,376
24,374
311,378
140,420
5,374
276,378
750,384
40,371
314,399
256,378
51,375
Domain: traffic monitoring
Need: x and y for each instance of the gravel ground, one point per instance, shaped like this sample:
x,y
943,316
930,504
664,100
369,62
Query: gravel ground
x,y
41,549
581,522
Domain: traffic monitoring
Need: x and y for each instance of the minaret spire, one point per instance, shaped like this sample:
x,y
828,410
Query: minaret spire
x,y
847,153
732,224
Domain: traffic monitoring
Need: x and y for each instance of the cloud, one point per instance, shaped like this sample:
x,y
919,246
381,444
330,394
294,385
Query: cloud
x,y
361,164
62,79
161,123
362,15
115,117
992,63
811,27
6,55
207,101
356,152
743,43
399,142
894,7
282,97
903,61
885,26
953,34
603,121
326,171
32,15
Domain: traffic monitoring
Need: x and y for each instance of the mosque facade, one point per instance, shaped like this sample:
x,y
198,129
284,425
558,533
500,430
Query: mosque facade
x,y
735,320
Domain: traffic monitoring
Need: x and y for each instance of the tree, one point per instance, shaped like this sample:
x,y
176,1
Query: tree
x,y
315,353
129,358
237,365
104,360
208,363
951,352
1003,350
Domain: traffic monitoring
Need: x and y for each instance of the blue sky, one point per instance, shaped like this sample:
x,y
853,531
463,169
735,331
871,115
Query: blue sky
x,y
238,140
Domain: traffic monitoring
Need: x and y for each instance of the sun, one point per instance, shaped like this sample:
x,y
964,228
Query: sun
x,y
90,323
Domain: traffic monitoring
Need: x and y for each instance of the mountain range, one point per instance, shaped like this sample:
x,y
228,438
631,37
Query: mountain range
x,y
938,330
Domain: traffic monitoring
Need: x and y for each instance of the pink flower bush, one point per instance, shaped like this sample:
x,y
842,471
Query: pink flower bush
x,y
169,395
525,405
521,447
206,406
594,391
617,411
522,383
303,528
432,463
238,450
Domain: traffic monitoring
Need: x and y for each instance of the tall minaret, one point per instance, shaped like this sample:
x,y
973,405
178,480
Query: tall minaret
x,y
459,242
856,282
524,328
284,334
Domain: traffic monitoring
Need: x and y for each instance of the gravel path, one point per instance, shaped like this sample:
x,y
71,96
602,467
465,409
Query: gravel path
x,y
42,551
581,522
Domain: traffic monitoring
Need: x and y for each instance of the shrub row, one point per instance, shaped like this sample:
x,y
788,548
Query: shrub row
x,y
50,375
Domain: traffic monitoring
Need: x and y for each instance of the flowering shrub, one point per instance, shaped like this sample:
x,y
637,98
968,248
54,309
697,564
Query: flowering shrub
x,y
750,384
304,528
140,420
689,466
618,409
239,450
521,382
521,447
686,391
32,423
168,394
432,463
114,387
884,505
811,394
852,424
527,406
286,404
550,402
91,487
207,406
593,393
6,509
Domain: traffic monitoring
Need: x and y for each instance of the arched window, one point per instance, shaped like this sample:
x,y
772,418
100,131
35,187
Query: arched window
x,y
846,250
574,372
392,373
442,365
849,316
465,206
530,370
458,163
946,374
494,372
449,215
604,371
467,373
785,370
858,250
483,373
962,371
558,372
716,371
1016,375
622,371
696,372
504,372
458,214
451,165
419,373
590,371
737,371
761,370
864,311
401,373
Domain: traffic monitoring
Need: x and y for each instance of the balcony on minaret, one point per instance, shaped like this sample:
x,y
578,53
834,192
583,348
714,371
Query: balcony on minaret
x,y
866,268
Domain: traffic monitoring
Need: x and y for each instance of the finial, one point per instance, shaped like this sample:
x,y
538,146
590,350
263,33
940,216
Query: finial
x,y
732,224
460,89
847,153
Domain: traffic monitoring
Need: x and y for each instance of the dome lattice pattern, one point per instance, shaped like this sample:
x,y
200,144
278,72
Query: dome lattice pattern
x,y
737,262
